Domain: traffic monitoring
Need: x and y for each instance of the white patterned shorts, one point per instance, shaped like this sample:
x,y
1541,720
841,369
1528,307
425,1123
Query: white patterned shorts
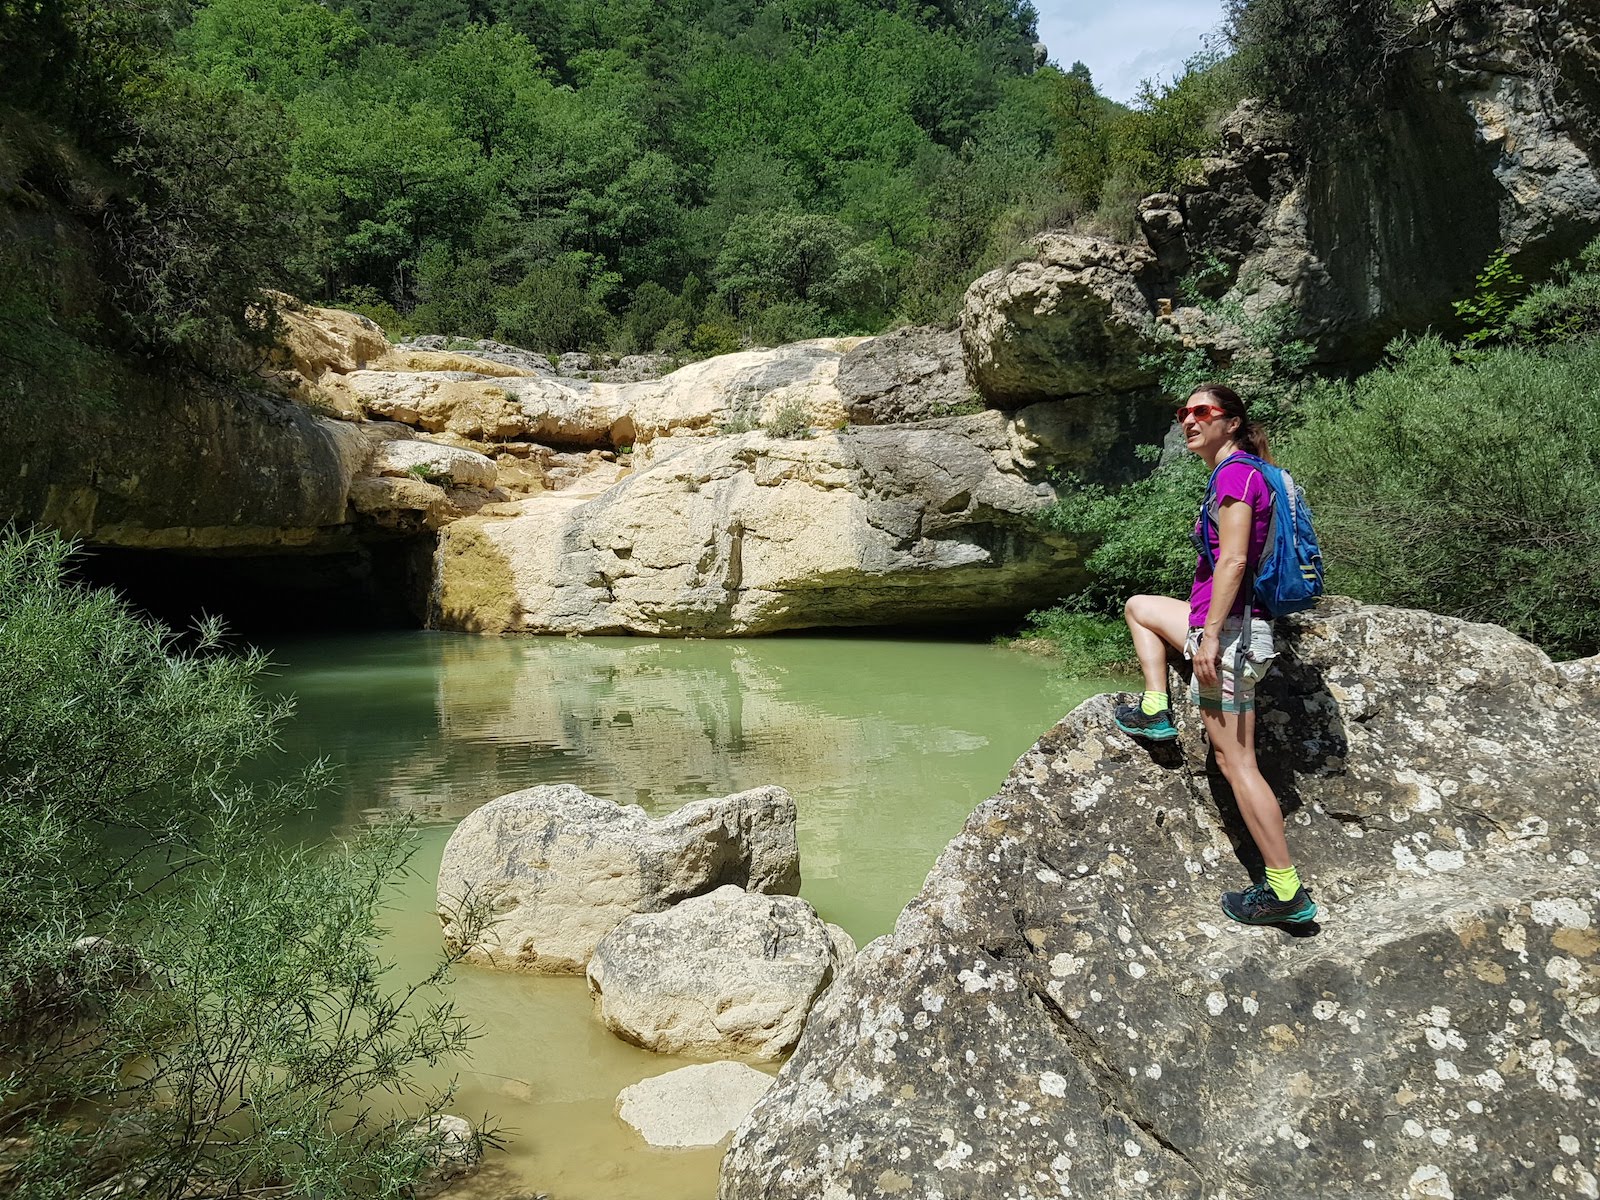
x,y
1246,659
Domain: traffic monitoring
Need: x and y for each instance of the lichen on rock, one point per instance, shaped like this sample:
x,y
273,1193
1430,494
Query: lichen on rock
x,y
1064,1010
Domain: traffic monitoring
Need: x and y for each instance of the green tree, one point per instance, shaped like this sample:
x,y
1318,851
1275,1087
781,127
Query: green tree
x,y
187,1007
280,47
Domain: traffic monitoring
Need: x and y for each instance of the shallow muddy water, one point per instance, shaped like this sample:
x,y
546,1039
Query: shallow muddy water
x,y
886,745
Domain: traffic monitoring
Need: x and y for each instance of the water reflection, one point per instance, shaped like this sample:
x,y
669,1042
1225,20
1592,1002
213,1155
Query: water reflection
x,y
887,745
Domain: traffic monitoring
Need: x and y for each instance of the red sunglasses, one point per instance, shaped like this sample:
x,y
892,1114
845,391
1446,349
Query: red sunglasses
x,y
1200,412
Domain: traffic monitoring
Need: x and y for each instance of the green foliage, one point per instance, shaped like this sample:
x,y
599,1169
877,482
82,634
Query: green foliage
x,y
1139,536
1325,63
1561,310
1157,145
1140,532
1487,312
178,184
1086,645
1467,488
841,164
788,420
231,1031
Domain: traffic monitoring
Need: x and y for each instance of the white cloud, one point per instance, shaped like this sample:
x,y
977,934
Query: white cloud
x,y
1124,43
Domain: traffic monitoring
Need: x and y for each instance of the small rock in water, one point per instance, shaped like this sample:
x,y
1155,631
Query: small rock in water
x,y
454,1151
692,1106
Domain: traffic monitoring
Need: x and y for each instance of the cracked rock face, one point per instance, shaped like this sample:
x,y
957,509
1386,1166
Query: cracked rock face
x,y
1063,1011
913,374
557,869
727,973
1074,320
749,534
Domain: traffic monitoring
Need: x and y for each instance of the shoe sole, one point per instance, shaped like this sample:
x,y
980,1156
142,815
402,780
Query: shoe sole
x,y
1145,733
1299,917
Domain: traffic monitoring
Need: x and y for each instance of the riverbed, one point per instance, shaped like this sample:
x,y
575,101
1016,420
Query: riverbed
x,y
886,745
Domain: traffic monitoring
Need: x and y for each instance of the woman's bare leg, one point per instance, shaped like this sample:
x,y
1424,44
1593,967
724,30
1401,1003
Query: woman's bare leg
x,y
1157,623
1233,741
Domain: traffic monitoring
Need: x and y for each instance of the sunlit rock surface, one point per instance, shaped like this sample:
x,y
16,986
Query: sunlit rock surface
x,y
692,1106
1064,1011
750,534
555,869
728,973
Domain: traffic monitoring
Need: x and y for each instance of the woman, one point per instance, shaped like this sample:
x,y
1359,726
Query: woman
x,y
1231,649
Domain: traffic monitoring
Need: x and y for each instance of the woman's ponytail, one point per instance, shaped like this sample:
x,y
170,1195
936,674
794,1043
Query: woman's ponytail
x,y
1252,439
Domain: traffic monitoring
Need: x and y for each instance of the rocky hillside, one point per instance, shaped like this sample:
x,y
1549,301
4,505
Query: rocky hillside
x,y
1489,144
1063,1011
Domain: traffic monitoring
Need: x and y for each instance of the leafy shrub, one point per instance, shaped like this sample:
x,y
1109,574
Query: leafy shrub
x,y
1487,312
788,420
1562,310
232,1032
1140,532
1466,488
1084,643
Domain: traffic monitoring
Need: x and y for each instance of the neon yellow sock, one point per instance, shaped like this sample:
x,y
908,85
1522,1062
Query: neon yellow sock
x,y
1153,703
1284,882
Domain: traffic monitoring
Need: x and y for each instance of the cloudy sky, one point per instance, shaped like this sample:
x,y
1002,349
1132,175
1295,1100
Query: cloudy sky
x,y
1124,41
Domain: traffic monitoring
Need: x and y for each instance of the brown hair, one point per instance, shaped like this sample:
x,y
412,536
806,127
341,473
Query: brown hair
x,y
1252,435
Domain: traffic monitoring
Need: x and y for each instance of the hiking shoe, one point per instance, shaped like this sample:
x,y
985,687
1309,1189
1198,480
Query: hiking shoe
x,y
1133,720
1259,905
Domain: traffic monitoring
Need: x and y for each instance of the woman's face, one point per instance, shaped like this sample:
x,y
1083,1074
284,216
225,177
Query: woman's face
x,y
1206,428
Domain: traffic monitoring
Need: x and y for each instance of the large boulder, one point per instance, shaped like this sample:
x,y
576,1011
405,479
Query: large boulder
x,y
557,869
1074,319
1063,1010
692,1106
913,374
749,534
728,973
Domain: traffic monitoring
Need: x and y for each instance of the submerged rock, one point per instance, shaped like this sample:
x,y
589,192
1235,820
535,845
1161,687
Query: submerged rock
x,y
726,973
692,1106
1064,1010
557,869
454,1152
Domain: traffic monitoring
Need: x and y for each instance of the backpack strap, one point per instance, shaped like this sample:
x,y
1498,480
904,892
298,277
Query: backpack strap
x,y
1207,525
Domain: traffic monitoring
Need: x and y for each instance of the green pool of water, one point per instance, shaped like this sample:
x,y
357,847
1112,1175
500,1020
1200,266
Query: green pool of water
x,y
886,745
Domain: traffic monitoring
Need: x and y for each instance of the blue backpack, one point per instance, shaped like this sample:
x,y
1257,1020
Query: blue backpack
x,y
1289,576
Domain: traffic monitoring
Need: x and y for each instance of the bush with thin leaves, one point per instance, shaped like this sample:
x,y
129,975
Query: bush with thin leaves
x,y
187,1006
1465,488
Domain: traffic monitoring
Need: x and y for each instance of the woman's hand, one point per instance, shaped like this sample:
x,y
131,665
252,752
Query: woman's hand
x,y
1208,660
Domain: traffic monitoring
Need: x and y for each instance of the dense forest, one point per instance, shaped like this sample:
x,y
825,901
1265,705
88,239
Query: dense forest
x,y
636,176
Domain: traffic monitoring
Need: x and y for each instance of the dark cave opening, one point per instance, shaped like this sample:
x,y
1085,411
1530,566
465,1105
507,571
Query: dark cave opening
x,y
380,585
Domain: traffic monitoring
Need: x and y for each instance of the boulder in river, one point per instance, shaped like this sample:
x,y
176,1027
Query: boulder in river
x,y
556,869
728,973
692,1106
1064,1011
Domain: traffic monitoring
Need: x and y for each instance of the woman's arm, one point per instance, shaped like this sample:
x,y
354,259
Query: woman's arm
x,y
1227,577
